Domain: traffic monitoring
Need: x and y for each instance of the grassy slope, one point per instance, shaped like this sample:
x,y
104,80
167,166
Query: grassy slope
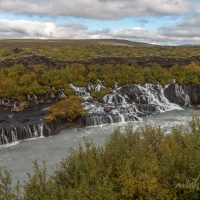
x,y
85,49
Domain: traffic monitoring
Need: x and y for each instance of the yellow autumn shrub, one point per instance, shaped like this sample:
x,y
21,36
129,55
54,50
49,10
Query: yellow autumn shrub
x,y
68,109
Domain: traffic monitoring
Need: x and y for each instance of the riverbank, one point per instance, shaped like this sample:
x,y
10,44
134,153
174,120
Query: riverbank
x,y
159,145
18,159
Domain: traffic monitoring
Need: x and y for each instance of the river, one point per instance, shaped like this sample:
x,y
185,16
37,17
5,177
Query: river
x,y
18,157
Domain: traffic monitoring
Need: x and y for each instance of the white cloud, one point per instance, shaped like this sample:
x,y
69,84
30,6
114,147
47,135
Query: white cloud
x,y
184,32
172,37
34,29
98,9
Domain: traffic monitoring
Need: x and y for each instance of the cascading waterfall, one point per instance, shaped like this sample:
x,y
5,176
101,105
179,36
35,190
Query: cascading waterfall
x,y
124,110
80,91
8,136
154,95
96,87
127,103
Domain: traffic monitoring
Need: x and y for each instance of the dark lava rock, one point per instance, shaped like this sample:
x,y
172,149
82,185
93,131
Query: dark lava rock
x,y
147,109
133,92
176,94
144,61
194,93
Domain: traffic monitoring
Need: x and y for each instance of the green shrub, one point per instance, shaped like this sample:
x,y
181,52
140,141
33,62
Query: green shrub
x,y
98,95
19,81
68,109
141,164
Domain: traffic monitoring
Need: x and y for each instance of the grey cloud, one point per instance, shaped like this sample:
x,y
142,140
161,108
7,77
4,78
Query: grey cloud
x,y
74,26
184,32
98,9
188,28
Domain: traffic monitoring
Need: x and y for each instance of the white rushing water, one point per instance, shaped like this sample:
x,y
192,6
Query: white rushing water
x,y
18,158
128,103
28,132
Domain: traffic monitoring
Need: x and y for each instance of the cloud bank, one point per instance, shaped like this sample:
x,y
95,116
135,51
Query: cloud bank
x,y
186,31
97,9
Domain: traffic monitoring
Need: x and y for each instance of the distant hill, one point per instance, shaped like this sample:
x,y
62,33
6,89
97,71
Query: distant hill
x,y
117,42
60,43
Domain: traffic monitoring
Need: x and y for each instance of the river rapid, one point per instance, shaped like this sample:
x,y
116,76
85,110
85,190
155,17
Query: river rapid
x,y
18,157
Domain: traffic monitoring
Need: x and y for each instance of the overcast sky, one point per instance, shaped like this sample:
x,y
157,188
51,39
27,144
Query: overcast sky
x,y
152,21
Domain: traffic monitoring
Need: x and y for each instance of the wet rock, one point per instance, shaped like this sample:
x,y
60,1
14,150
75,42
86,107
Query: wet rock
x,y
133,93
194,93
107,109
147,109
177,94
28,124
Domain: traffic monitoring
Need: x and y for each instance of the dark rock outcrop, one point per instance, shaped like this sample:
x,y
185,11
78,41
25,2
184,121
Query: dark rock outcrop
x,y
177,95
167,62
31,60
29,124
23,125
194,93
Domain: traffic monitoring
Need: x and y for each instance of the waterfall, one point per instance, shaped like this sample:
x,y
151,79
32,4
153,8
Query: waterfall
x,y
127,103
154,95
80,91
8,136
123,104
96,87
